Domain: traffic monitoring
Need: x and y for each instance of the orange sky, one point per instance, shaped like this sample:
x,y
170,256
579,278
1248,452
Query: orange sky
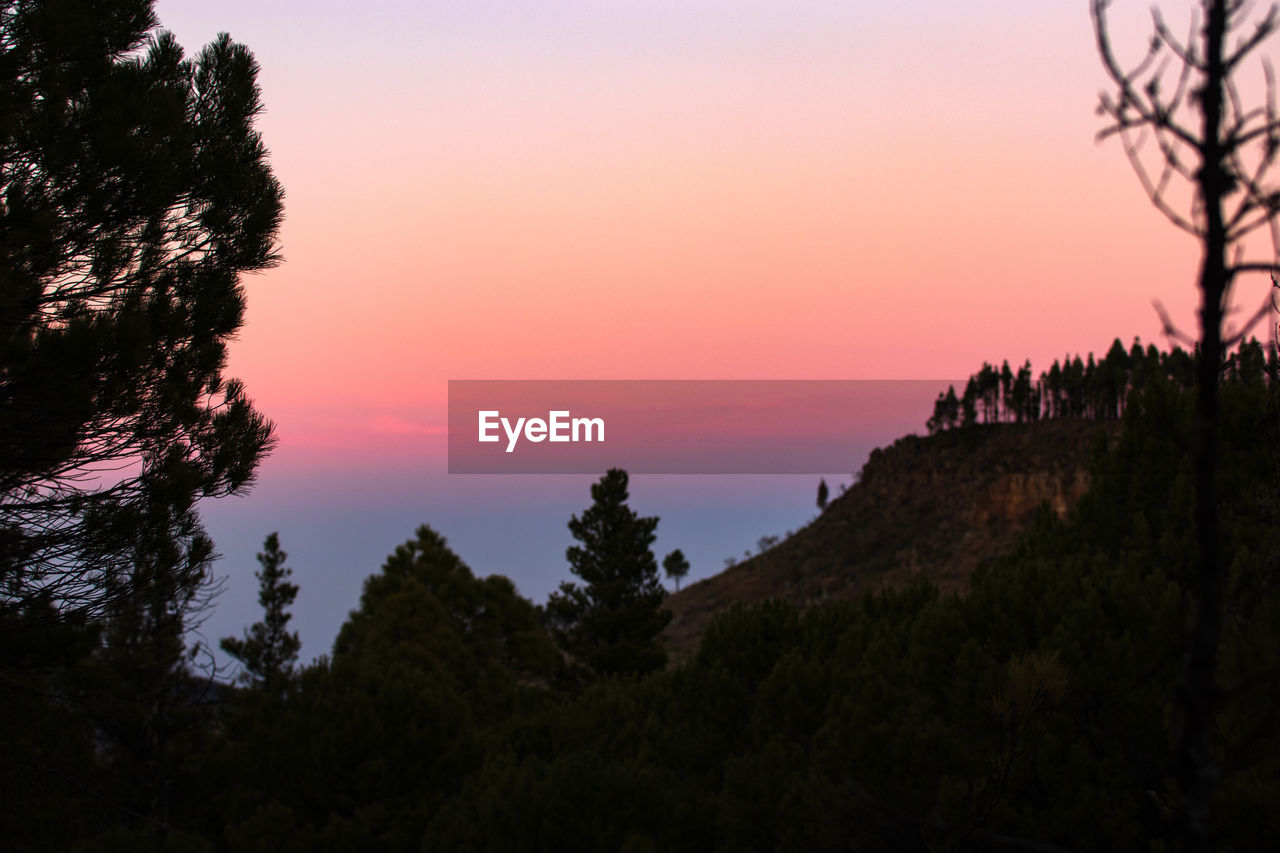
x,y
681,190
653,189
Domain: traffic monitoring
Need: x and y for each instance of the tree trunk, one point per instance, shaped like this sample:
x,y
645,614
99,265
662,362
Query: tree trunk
x,y
1197,695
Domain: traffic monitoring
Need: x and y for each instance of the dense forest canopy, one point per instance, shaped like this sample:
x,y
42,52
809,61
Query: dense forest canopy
x,y
1059,702
1034,707
1090,389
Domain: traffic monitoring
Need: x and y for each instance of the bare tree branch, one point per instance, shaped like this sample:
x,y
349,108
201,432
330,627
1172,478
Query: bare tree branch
x,y
1170,329
1262,31
1232,152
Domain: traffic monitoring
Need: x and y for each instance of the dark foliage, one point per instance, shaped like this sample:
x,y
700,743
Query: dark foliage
x,y
1035,709
610,624
134,193
676,566
1086,390
268,650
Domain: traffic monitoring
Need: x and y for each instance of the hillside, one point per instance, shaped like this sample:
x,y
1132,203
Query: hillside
x,y
935,506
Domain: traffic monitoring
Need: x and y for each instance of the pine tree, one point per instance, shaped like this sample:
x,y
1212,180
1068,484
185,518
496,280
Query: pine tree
x,y
135,193
427,612
147,700
968,403
269,650
950,408
1006,390
677,566
1115,368
1022,394
610,624
988,385
934,425
823,494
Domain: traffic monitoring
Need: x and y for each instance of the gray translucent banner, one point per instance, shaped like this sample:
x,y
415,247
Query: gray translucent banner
x,y
731,426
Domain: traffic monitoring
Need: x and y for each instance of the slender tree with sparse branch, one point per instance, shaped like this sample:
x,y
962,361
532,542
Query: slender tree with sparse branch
x,y
1184,126
269,650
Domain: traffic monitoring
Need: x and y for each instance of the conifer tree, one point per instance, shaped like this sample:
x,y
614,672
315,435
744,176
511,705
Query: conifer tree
x,y
968,403
269,650
1052,383
934,424
823,494
1006,390
134,193
950,408
988,380
144,695
426,611
676,566
611,622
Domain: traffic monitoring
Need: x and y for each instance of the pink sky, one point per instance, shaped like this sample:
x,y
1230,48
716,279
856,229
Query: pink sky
x,y
684,189
680,190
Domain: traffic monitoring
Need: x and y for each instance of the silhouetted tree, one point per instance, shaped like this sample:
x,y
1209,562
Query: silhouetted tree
x,y
1026,399
1115,369
269,650
950,408
1051,382
1092,391
969,403
1074,381
426,610
933,424
823,494
148,696
1006,391
134,193
1139,372
676,566
988,386
611,623
764,543
1207,139
1250,362
946,412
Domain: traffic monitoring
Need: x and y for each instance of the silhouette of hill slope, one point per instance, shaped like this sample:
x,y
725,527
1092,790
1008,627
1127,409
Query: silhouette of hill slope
x,y
936,506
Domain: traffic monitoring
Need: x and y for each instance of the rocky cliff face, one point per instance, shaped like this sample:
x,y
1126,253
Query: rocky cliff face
x,y
1018,494
936,506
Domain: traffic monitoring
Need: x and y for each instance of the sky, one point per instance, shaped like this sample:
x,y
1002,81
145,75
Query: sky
x,y
691,189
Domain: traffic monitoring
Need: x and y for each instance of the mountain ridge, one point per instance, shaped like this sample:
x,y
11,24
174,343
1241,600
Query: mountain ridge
x,y
925,506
